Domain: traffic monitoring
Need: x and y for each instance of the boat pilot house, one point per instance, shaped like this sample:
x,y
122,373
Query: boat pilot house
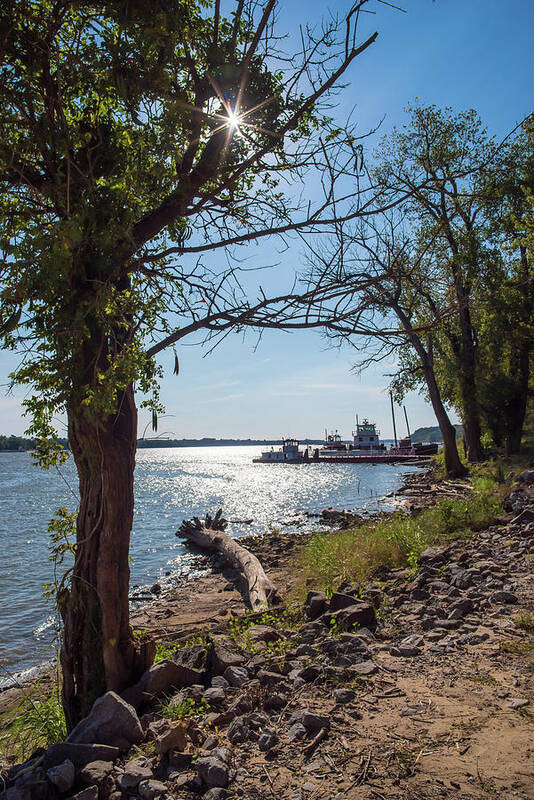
x,y
366,436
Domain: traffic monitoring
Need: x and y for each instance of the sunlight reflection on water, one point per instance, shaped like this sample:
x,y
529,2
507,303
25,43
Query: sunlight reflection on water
x,y
171,484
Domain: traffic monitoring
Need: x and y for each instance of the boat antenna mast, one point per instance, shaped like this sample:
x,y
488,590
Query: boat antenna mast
x,y
393,417
407,423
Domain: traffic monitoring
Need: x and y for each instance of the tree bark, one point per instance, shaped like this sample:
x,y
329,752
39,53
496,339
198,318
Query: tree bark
x,y
261,589
453,463
98,651
516,408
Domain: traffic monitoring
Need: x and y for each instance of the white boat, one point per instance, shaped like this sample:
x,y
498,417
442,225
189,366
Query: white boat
x,y
289,453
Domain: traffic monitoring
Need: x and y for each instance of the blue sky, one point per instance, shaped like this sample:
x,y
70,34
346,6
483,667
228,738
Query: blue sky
x,y
462,53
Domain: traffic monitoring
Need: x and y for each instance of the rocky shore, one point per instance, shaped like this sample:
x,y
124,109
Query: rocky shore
x,y
413,685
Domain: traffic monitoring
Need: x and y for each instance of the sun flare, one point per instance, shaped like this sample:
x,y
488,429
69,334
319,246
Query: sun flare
x,y
233,120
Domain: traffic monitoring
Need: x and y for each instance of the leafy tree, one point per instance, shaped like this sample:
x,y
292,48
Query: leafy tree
x,y
505,298
132,134
438,162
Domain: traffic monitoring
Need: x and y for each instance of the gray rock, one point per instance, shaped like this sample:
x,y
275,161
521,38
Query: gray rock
x,y
267,678
517,702
220,658
461,607
219,682
241,705
344,696
312,722
315,604
95,772
274,701
238,730
263,633
161,678
62,776
526,477
410,646
135,771
365,668
311,672
359,615
212,772
340,600
296,732
79,754
503,597
214,695
111,721
150,789
267,740
236,676
210,742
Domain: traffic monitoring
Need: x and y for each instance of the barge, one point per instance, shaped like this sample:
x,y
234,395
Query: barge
x,y
365,448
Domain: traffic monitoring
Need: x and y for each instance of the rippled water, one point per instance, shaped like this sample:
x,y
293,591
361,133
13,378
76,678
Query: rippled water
x,y
171,484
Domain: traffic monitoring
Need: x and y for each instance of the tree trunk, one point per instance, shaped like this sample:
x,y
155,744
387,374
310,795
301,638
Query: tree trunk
x,y
98,651
466,358
453,463
516,408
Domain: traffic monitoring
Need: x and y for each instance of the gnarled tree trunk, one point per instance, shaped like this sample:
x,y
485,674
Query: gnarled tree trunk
x,y
98,651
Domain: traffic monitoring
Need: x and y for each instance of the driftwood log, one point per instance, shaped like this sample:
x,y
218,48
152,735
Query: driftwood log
x,y
210,535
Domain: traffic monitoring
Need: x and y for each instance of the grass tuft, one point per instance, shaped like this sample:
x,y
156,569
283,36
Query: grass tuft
x,y
353,554
36,720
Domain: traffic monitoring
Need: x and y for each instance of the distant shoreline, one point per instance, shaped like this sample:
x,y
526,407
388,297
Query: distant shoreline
x,y
19,444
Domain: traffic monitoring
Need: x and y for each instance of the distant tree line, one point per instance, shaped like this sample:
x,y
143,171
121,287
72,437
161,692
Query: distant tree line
x,y
20,443
433,434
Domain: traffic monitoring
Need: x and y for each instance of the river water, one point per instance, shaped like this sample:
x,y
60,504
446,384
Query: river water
x,y
171,484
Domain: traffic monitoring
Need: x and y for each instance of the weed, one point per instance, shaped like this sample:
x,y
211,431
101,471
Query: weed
x,y
525,621
517,648
482,677
37,720
180,707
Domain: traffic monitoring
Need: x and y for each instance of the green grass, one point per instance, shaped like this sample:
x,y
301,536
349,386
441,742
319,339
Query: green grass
x,y
182,708
36,720
397,541
525,621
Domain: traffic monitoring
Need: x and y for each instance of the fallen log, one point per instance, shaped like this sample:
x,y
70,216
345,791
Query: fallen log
x,y
210,535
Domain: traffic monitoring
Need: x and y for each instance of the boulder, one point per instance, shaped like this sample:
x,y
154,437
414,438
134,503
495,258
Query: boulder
x,y
263,633
62,776
212,771
236,675
220,658
91,793
173,738
526,477
150,789
111,721
311,721
135,771
359,614
315,605
95,772
160,678
296,732
79,754
341,600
